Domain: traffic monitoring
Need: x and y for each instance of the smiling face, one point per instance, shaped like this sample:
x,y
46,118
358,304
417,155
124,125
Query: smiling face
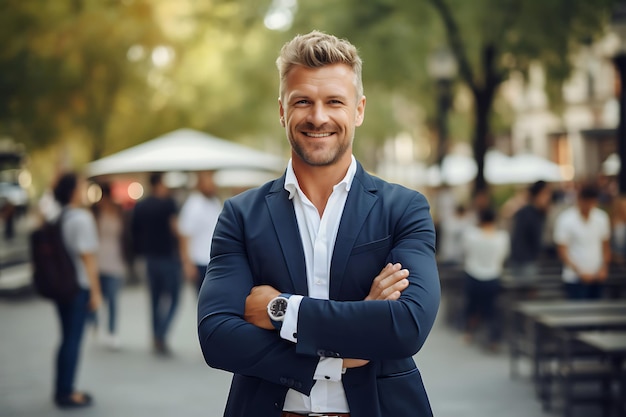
x,y
320,110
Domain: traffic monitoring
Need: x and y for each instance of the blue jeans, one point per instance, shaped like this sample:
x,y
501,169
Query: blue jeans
x,y
110,286
72,317
583,291
164,278
481,297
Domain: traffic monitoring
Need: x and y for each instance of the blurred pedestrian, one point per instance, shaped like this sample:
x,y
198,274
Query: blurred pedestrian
x,y
527,233
197,221
110,221
156,238
582,235
451,241
81,240
486,249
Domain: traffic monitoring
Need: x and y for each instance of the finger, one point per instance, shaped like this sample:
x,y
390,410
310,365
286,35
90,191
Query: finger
x,y
392,279
396,290
386,286
397,286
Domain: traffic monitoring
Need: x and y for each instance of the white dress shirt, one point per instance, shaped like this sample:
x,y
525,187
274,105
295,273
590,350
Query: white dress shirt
x,y
318,237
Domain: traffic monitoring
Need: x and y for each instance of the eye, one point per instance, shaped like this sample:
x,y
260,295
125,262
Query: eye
x,y
336,102
302,102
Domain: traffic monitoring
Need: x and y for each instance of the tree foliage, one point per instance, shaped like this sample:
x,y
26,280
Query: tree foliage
x,y
104,75
490,38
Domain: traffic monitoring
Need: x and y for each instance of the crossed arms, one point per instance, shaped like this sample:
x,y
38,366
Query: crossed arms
x,y
391,322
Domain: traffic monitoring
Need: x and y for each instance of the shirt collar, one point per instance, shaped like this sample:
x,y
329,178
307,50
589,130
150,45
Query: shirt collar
x,y
291,182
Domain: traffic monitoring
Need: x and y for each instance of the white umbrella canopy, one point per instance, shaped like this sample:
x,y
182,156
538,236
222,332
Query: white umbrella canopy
x,y
185,150
499,169
527,168
455,169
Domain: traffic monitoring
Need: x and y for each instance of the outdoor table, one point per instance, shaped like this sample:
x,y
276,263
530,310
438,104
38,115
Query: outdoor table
x,y
523,315
549,326
611,345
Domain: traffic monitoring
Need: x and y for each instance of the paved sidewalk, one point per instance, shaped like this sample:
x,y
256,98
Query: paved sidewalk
x,y
461,380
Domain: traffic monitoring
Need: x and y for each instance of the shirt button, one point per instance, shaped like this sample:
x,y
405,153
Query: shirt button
x,y
295,335
327,377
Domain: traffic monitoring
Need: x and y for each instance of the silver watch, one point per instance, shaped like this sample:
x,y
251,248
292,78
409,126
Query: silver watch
x,y
277,308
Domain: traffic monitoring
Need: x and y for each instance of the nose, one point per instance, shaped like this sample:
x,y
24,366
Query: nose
x,y
317,115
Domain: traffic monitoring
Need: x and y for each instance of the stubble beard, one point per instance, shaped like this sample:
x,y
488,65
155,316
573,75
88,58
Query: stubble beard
x,y
314,157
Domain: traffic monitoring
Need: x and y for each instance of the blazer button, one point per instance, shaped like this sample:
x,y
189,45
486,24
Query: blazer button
x,y
283,380
321,352
298,384
290,382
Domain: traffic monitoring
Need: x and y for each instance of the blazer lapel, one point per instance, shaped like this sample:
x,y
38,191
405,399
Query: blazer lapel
x,y
286,226
361,199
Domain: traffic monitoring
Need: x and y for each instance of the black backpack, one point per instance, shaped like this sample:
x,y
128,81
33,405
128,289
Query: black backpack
x,y
54,272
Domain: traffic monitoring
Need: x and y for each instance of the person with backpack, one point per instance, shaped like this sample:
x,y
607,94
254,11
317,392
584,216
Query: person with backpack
x,y
80,237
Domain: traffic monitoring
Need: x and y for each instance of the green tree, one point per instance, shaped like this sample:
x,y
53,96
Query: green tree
x,y
490,39
65,67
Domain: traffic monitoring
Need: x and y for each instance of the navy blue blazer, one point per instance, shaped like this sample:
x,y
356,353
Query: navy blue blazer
x,y
257,241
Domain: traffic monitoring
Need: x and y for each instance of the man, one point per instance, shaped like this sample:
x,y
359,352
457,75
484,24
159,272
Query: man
x,y
80,237
527,232
582,234
156,237
342,261
197,221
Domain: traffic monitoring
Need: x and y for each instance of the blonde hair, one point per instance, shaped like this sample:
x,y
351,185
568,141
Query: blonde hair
x,y
315,50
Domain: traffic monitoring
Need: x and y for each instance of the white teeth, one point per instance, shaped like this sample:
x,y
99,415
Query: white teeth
x,y
318,135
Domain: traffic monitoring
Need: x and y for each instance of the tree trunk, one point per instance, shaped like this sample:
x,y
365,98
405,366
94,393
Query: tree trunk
x,y
481,130
483,97
620,63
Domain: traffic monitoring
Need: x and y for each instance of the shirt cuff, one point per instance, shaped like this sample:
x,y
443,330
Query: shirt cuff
x,y
289,329
329,369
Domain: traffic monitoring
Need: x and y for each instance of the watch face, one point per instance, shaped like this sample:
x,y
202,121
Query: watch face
x,y
278,307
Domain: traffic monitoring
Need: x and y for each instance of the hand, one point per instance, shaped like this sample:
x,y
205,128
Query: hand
x,y
354,363
95,300
603,273
586,278
389,284
256,306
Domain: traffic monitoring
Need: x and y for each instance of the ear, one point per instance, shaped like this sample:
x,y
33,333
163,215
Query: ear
x,y
360,112
281,112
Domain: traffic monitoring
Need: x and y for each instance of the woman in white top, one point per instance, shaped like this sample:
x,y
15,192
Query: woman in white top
x,y
486,249
112,268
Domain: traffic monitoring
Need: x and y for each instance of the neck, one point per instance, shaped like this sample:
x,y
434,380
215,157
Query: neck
x,y
317,182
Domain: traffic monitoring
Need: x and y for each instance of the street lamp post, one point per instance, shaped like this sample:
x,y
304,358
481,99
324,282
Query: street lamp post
x,y
618,24
442,68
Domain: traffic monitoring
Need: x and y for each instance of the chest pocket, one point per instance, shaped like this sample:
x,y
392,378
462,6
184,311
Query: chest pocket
x,y
366,261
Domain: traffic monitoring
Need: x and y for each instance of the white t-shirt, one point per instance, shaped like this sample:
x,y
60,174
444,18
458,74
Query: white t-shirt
x,y
485,253
583,240
196,221
80,236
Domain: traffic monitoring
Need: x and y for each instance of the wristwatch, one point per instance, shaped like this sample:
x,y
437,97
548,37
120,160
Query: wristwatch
x,y
277,308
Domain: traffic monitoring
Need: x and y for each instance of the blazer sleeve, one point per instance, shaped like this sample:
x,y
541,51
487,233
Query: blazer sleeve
x,y
378,330
227,341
